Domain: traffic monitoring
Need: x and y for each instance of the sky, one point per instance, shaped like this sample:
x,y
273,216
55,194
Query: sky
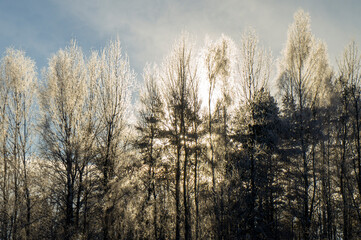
x,y
147,29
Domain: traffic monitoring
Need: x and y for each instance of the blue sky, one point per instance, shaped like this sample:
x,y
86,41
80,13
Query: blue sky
x,y
148,28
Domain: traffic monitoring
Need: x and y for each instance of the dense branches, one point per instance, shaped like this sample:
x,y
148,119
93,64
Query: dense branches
x,y
207,153
304,72
18,79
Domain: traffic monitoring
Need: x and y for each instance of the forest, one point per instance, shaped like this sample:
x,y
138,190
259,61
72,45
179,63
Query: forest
x,y
205,150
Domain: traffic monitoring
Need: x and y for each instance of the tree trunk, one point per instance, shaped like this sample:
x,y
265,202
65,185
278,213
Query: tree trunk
x,y
106,179
69,218
5,206
196,202
177,193
16,190
28,203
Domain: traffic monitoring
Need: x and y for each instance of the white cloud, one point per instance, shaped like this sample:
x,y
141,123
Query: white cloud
x,y
149,28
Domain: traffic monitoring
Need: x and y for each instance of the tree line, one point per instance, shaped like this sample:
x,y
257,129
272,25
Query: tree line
x,y
210,153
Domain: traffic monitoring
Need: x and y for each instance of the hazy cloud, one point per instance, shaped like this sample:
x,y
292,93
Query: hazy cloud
x,y
148,29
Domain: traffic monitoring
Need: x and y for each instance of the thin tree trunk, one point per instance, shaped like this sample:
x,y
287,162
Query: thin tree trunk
x,y
155,214
358,147
78,199
215,202
196,189
26,183
343,174
177,183
69,221
253,177
5,196
177,193
345,204
28,203
16,189
187,230
106,178
306,219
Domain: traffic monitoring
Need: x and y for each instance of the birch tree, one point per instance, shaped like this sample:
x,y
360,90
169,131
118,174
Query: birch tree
x,y
349,120
5,175
151,115
217,65
254,66
254,71
18,78
63,130
179,74
303,78
113,94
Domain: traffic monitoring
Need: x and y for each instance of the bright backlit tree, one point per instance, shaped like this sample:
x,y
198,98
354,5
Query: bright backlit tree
x,y
18,78
304,72
64,130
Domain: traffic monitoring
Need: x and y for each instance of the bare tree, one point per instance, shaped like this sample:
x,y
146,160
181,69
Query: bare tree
x,y
179,73
63,104
18,76
349,94
5,173
303,78
217,64
254,66
254,70
113,95
151,115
